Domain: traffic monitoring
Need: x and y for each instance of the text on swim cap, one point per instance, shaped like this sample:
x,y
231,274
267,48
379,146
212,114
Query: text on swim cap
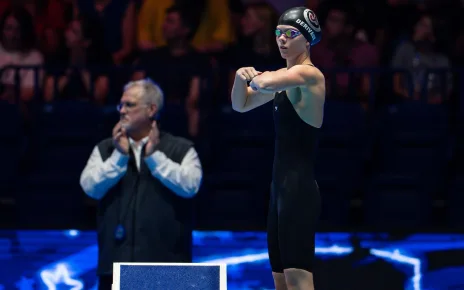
x,y
307,28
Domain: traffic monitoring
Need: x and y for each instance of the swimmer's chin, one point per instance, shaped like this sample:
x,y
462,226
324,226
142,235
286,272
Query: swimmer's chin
x,y
284,55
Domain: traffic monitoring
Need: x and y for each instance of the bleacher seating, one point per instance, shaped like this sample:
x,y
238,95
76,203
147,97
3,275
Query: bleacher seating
x,y
67,132
240,172
455,216
344,150
12,146
412,162
393,160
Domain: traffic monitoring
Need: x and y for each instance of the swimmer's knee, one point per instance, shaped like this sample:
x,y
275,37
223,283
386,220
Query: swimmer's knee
x,y
279,281
298,279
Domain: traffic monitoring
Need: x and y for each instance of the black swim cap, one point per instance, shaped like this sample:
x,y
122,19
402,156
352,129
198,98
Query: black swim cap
x,y
305,21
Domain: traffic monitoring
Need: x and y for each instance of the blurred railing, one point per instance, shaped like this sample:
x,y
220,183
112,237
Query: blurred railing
x,y
380,79
213,94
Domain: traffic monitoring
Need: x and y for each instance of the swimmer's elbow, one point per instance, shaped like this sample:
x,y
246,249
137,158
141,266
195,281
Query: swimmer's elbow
x,y
266,85
239,103
239,109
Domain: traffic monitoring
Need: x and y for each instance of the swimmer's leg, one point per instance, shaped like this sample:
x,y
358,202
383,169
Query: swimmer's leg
x,y
273,245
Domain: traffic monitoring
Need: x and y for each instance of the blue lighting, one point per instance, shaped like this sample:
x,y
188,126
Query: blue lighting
x,y
67,259
72,233
396,256
60,275
236,260
25,284
263,256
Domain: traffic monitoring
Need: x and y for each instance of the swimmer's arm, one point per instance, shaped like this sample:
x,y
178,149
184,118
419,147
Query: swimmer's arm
x,y
276,81
245,99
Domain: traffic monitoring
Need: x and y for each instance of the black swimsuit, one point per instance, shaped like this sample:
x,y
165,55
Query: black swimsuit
x,y
295,200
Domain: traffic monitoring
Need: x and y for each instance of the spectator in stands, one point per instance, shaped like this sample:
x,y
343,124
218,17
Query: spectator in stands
x,y
459,47
212,23
55,22
312,4
18,48
236,9
4,5
257,44
144,180
50,18
179,70
118,19
85,48
419,55
340,49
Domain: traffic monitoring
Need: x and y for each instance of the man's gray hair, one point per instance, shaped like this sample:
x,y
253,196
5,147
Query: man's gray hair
x,y
151,92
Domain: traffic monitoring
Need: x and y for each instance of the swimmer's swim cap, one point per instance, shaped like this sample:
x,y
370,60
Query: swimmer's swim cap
x,y
305,21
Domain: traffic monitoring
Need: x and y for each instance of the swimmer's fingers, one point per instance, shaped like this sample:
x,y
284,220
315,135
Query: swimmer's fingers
x,y
241,73
247,73
252,72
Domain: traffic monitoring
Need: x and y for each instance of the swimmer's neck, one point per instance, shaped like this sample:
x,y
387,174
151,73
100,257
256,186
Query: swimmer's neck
x,y
300,59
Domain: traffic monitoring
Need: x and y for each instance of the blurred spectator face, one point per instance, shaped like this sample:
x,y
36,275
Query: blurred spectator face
x,y
424,29
251,23
134,110
173,27
11,33
73,34
335,23
259,19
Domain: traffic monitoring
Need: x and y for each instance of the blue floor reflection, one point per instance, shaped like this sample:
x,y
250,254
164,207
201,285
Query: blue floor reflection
x,y
67,260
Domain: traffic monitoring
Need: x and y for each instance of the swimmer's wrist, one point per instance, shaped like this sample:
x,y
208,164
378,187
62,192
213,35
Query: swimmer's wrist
x,y
240,79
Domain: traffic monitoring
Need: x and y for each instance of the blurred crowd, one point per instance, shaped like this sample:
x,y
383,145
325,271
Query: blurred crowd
x,y
87,49
63,64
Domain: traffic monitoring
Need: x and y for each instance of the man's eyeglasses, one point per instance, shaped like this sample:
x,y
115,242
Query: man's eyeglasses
x,y
290,33
128,105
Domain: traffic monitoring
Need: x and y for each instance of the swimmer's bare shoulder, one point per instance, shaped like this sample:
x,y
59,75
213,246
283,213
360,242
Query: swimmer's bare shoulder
x,y
308,100
313,80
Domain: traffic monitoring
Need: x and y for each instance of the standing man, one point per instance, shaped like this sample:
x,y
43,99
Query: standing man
x,y
144,180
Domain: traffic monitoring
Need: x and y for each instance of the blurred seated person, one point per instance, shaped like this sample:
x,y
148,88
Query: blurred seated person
x,y
458,47
339,48
211,19
178,68
85,48
419,57
236,10
118,19
256,45
50,18
4,5
18,48
312,4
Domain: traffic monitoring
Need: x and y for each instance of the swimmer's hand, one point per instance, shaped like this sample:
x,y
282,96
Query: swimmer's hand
x,y
247,73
